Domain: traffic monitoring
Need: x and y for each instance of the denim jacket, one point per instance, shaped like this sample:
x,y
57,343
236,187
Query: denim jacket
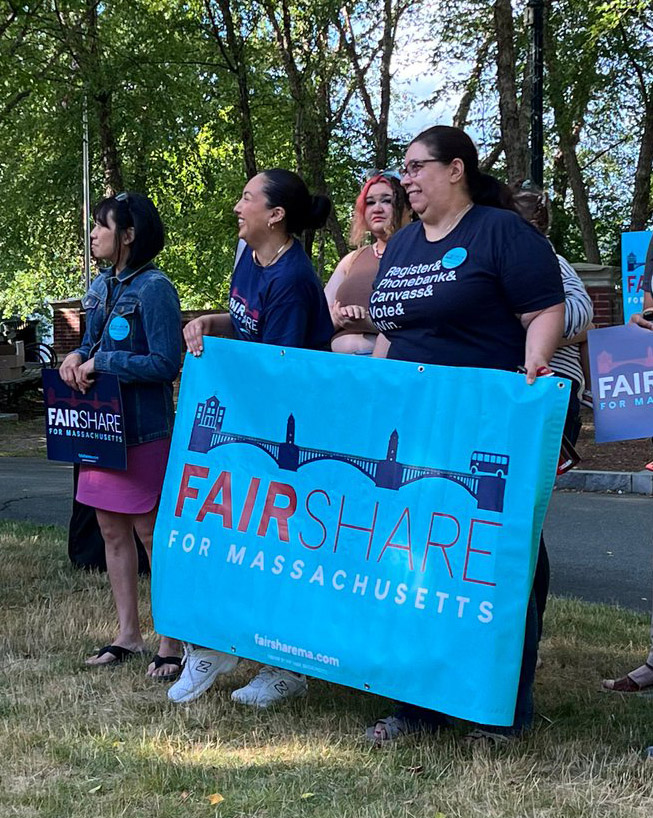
x,y
133,330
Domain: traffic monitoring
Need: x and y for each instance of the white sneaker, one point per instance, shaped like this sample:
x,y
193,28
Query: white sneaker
x,y
271,685
200,670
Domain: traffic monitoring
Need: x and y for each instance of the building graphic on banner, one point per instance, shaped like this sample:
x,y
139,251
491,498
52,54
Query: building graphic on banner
x,y
485,481
634,246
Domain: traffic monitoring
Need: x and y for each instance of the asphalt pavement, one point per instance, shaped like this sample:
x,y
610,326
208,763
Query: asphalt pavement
x,y
600,545
36,490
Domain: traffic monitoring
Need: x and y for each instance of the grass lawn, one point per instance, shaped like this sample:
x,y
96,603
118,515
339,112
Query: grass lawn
x,y
22,438
82,743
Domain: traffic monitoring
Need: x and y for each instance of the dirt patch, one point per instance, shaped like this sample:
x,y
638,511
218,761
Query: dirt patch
x,y
623,455
22,438
26,436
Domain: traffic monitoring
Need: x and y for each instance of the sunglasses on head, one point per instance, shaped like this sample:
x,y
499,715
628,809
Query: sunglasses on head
x,y
386,174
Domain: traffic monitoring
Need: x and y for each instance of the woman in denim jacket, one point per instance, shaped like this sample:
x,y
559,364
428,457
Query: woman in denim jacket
x,y
133,330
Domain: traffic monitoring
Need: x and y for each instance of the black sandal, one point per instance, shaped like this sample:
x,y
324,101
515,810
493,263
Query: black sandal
x,y
119,653
159,661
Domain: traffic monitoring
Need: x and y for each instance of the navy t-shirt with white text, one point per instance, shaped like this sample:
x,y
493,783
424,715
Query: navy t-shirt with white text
x,y
282,304
455,301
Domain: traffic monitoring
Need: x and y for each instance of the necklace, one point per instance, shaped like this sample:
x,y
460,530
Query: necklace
x,y
453,222
267,264
375,249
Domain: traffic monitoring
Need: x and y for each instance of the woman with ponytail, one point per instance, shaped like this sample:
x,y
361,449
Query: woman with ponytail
x,y
488,294
275,298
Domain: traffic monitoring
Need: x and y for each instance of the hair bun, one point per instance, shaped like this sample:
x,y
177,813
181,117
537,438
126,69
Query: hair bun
x,y
319,213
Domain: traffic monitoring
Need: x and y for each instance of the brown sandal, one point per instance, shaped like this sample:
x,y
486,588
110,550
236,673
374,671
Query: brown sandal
x,y
625,685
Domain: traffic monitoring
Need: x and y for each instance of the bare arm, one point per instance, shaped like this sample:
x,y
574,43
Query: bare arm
x,y
352,318
543,332
381,347
337,277
195,330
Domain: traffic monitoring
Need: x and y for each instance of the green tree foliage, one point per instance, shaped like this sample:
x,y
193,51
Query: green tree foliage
x,y
598,107
185,100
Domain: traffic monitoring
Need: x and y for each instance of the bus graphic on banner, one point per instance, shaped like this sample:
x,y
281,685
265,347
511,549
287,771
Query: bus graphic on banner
x,y
489,463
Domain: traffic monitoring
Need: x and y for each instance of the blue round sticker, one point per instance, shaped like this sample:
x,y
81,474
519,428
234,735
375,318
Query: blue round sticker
x,y
454,258
119,328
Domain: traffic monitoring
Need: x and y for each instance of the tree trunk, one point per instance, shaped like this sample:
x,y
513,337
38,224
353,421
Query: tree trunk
x,y
381,133
515,142
471,86
581,202
559,218
111,170
641,206
236,61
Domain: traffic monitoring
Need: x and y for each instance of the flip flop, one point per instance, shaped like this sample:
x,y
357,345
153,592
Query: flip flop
x,y
119,653
159,661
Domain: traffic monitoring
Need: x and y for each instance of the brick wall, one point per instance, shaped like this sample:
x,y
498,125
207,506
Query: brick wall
x,y
604,301
68,324
601,284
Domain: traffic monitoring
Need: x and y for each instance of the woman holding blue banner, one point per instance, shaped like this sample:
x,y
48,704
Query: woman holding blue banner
x,y
479,287
133,330
275,298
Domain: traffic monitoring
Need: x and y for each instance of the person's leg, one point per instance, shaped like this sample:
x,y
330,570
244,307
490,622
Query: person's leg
x,y
541,584
524,708
168,648
573,420
637,680
122,567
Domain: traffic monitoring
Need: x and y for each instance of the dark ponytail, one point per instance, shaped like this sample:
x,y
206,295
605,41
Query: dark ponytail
x,y
320,209
490,191
286,189
446,143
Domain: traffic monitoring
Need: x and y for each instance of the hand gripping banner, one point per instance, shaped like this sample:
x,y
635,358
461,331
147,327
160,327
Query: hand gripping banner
x,y
370,522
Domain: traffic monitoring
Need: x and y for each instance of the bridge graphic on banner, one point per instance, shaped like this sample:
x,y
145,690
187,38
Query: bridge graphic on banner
x,y
485,481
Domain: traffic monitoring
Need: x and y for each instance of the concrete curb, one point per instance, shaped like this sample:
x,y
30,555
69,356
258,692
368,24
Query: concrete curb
x,y
619,482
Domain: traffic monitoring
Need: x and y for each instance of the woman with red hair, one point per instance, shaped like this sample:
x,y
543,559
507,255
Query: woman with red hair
x,y
381,209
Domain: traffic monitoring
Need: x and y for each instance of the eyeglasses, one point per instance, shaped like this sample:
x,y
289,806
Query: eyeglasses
x,y
122,197
414,167
386,174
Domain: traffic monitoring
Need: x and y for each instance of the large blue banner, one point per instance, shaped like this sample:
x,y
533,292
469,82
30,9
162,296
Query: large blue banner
x,y
633,255
621,362
370,522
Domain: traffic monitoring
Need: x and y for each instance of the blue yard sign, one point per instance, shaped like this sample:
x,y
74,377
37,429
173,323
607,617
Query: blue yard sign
x,y
85,428
621,362
370,522
633,255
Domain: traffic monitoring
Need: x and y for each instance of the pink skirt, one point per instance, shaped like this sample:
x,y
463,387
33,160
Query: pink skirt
x,y
134,491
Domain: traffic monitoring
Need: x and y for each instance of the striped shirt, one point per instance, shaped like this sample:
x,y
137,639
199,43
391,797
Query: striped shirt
x,y
578,316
